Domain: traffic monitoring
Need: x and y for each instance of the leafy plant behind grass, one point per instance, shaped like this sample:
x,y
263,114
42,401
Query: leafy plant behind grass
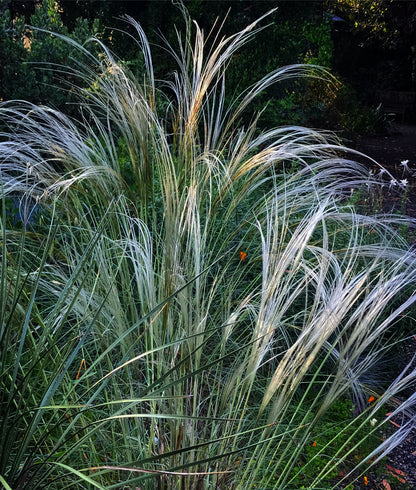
x,y
24,49
194,329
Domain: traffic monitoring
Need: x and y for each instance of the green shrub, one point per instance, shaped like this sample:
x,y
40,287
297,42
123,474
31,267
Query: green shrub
x,y
32,60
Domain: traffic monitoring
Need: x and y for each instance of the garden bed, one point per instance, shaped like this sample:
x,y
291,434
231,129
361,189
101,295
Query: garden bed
x,y
390,150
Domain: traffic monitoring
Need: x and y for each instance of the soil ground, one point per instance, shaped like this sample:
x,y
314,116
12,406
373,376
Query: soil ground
x,y
390,149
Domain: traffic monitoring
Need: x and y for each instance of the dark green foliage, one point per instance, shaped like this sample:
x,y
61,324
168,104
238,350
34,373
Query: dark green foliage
x,y
12,54
31,60
294,102
375,45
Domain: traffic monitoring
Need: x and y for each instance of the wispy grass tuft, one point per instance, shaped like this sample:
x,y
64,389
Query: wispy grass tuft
x,y
184,298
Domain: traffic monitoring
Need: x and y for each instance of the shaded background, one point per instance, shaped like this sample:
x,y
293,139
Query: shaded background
x,y
370,45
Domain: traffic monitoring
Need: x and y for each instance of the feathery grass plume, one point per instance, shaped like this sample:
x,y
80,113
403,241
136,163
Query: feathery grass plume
x,y
137,348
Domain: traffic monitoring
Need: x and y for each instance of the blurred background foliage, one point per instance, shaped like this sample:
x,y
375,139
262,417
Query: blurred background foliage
x,y
369,45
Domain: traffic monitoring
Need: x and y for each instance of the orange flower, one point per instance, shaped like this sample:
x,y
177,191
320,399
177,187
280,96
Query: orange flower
x,y
365,480
314,444
371,399
243,256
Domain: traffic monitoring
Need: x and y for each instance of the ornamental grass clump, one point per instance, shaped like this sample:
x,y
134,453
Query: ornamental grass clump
x,y
138,348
